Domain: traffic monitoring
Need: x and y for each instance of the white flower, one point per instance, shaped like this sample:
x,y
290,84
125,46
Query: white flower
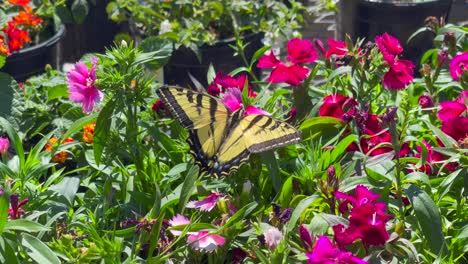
x,y
165,27
273,237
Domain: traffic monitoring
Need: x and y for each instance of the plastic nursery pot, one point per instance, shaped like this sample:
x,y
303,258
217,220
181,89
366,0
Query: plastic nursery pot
x,y
370,18
32,60
184,61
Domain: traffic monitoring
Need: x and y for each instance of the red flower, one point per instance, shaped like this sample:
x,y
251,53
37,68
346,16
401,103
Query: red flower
x,y
337,105
459,65
15,211
362,196
399,75
16,37
389,46
452,109
19,2
425,101
158,106
299,51
336,47
4,50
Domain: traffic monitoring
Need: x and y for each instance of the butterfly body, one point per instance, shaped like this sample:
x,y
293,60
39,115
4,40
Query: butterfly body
x,y
220,140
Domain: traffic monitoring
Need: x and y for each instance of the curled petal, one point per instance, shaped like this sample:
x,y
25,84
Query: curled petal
x,y
268,61
252,110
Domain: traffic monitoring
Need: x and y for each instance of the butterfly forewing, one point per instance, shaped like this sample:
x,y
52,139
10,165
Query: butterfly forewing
x,y
192,109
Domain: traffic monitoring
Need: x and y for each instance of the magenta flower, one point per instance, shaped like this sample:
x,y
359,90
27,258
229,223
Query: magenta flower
x,y
459,65
399,75
306,238
273,237
336,47
202,241
367,222
206,204
389,46
363,195
81,86
326,253
232,99
299,52
178,220
338,106
222,83
452,109
457,128
4,145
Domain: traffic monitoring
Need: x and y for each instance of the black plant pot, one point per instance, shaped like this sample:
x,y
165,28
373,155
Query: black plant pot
x,y
32,61
365,18
184,61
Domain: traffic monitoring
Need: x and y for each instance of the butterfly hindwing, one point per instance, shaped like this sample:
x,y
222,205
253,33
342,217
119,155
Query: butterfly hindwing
x,y
253,134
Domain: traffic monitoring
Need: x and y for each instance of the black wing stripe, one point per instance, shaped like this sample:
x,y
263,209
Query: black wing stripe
x,y
275,143
174,107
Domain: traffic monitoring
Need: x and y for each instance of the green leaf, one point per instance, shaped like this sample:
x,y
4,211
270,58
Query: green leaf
x,y
39,251
159,49
428,216
187,188
4,205
296,214
446,140
258,54
339,71
15,140
68,188
286,192
7,252
341,147
241,214
448,182
7,84
79,10
319,126
2,60
102,129
25,225
273,169
78,125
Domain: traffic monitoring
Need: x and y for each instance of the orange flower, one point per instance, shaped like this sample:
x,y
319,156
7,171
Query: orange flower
x,y
19,2
27,18
3,47
88,133
62,156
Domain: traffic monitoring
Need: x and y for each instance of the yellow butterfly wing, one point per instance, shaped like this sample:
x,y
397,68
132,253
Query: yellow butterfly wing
x,y
204,116
253,134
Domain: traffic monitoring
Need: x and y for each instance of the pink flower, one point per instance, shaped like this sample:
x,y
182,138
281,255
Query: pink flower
x,y
81,86
337,105
399,75
206,204
4,144
336,47
452,109
362,196
202,241
326,253
232,99
273,237
389,46
459,65
178,220
299,51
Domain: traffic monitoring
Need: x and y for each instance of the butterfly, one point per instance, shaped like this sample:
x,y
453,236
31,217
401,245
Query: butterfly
x,y
220,140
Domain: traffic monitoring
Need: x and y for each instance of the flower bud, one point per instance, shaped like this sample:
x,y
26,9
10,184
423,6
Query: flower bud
x,y
319,46
425,101
306,238
442,56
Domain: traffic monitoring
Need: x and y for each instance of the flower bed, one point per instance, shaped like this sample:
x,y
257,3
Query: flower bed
x,y
340,155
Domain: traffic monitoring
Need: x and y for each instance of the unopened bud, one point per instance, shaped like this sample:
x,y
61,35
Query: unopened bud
x,y
425,101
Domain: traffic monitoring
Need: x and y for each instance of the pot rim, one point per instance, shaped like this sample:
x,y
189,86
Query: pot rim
x,y
45,44
404,4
